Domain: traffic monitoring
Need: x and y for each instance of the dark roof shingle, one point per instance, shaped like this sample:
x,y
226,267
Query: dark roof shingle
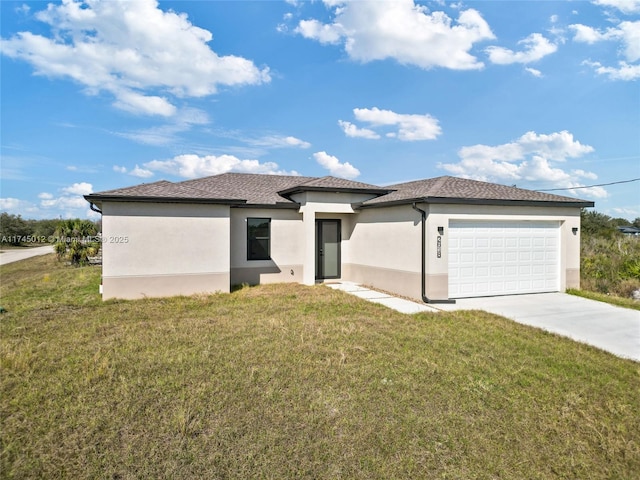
x,y
256,189
454,188
259,189
335,184
163,189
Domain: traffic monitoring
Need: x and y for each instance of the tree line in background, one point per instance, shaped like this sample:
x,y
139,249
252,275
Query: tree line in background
x,y
610,260
74,240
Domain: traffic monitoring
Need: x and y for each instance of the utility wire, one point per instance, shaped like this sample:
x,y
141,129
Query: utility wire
x,y
590,186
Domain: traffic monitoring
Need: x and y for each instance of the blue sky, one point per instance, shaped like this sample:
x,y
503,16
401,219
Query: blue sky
x,y
105,94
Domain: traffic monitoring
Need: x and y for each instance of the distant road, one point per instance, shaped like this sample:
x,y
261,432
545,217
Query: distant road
x,y
10,256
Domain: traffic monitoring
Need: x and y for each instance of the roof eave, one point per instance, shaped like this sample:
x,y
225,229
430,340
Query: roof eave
x,y
278,205
98,199
298,189
482,201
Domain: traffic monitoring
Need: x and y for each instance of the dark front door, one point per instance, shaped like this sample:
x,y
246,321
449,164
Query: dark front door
x,y
327,249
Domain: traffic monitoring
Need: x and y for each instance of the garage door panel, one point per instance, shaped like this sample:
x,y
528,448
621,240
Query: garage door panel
x,y
539,270
497,271
498,258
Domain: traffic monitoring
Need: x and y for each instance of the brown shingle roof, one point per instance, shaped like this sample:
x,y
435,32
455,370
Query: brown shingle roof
x,y
254,188
257,189
446,189
163,189
336,185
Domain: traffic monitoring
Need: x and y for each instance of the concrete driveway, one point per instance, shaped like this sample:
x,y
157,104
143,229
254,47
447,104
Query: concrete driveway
x,y
13,255
614,329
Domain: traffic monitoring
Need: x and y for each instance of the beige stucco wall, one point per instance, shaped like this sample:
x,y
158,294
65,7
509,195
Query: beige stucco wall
x,y
384,250
287,248
164,249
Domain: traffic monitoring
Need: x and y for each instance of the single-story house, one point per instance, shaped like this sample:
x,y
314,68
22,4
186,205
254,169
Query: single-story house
x,y
629,230
432,240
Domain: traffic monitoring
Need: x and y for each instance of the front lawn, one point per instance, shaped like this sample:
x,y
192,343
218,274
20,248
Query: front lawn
x,y
287,381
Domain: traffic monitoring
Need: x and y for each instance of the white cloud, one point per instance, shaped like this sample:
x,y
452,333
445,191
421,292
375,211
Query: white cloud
x,y
529,159
401,30
69,204
624,71
590,35
134,50
277,141
136,103
119,169
558,146
534,72
192,166
335,167
296,142
10,204
628,34
23,9
535,46
321,32
184,120
553,18
625,6
141,172
82,188
351,130
64,202
627,212
410,127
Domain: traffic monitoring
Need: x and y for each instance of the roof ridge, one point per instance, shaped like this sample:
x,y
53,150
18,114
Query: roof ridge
x,y
312,179
439,182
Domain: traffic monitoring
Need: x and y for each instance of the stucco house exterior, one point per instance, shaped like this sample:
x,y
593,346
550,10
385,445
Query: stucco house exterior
x,y
432,240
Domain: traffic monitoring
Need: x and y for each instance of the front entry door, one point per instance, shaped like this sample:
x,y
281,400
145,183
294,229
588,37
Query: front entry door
x,y
327,249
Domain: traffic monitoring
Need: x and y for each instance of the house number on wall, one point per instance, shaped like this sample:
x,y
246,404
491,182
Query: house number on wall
x,y
439,247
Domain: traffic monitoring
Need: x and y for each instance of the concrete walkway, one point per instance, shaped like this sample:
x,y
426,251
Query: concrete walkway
x,y
610,328
14,255
395,303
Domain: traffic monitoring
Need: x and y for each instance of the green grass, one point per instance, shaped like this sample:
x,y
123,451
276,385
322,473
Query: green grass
x,y
603,297
288,381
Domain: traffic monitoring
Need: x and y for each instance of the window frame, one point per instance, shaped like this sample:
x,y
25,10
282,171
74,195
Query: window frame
x,y
251,239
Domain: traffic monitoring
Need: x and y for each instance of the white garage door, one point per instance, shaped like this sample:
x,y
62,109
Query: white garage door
x,y
503,258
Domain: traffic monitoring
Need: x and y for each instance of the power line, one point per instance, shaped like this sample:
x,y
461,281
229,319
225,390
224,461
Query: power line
x,y
589,186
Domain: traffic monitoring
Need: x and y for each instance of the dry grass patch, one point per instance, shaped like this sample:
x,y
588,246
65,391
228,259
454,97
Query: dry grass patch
x,y
287,381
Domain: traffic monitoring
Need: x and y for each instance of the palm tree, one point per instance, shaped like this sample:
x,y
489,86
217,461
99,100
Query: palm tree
x,y
74,240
